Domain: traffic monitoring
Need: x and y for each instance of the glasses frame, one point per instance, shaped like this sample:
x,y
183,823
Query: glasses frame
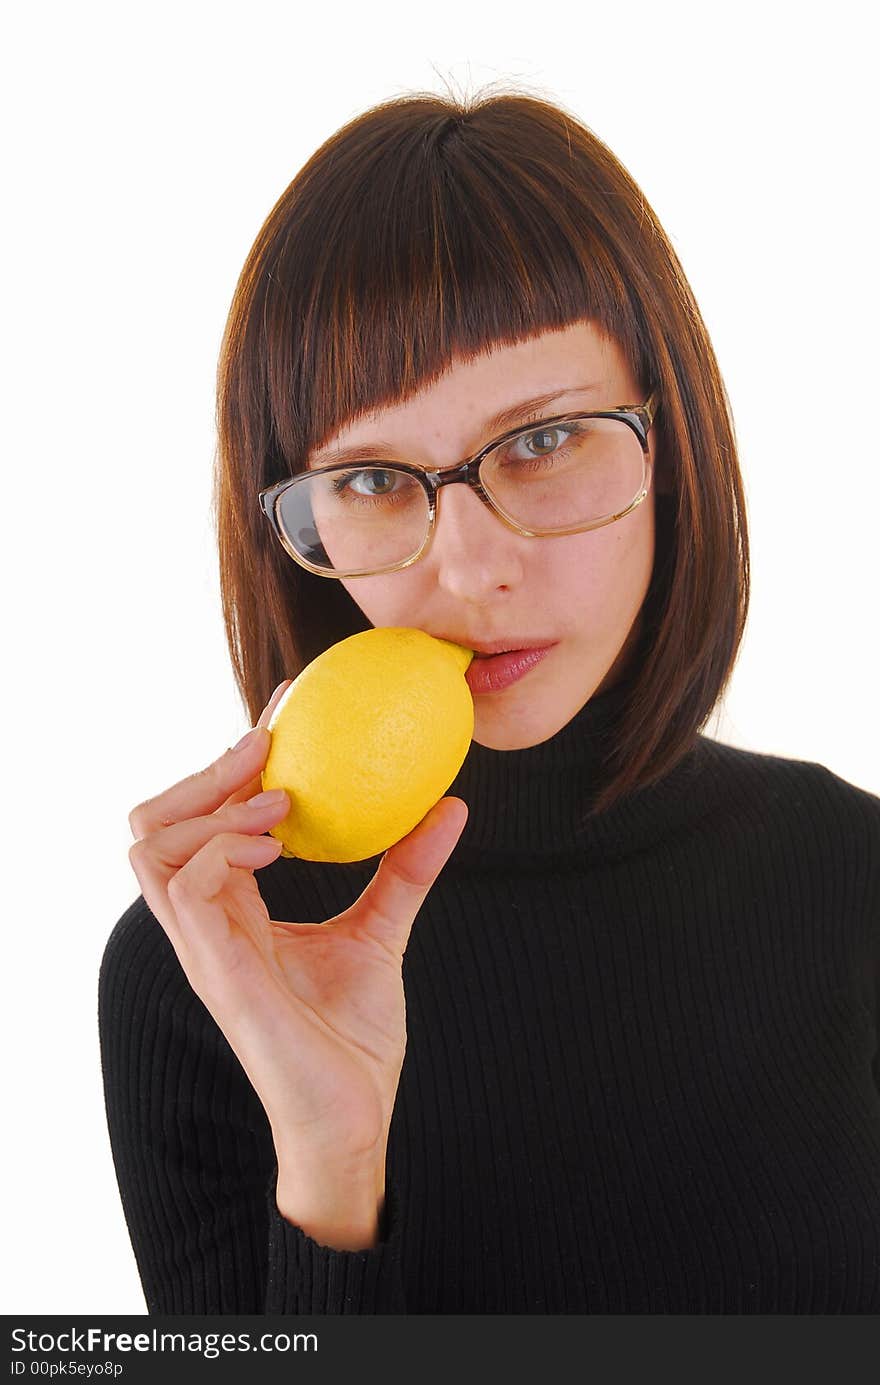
x,y
638,417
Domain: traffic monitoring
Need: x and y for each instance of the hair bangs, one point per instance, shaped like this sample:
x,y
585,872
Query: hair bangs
x,y
429,251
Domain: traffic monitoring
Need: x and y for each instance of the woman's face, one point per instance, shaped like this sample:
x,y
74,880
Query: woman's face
x,y
480,583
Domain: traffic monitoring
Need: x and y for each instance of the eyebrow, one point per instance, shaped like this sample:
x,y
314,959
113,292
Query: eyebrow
x,y
380,451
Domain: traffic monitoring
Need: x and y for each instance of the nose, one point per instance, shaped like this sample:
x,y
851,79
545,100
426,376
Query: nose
x,y
473,552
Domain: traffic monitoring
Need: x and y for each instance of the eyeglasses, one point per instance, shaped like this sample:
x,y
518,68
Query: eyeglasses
x,y
360,519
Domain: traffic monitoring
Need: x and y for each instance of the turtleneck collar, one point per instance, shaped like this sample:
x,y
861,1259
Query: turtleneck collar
x,y
533,802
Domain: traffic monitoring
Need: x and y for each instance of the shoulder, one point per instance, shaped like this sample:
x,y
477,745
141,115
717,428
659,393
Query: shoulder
x,y
142,987
781,775
796,789
143,991
165,1061
136,952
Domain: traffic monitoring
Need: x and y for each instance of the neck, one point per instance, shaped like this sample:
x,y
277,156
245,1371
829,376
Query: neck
x,y
536,802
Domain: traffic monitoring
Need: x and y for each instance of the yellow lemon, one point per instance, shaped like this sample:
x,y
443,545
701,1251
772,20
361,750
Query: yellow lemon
x,y
366,740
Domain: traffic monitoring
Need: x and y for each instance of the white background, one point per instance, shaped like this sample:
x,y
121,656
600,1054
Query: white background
x,y
145,146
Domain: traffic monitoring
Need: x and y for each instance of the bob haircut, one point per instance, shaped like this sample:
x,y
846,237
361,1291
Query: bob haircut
x,y
431,228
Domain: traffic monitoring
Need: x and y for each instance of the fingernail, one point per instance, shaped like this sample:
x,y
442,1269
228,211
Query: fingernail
x,y
246,739
270,799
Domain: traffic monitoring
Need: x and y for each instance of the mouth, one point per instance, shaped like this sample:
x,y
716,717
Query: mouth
x,y
493,671
486,649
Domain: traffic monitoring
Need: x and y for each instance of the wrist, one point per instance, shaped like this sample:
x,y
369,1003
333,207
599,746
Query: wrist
x,y
340,1208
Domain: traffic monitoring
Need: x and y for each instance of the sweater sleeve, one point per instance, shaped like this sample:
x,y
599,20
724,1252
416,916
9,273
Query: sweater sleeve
x,y
306,1277
875,1065
194,1157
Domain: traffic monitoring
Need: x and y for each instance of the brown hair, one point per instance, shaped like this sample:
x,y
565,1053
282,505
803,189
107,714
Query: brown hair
x,y
434,227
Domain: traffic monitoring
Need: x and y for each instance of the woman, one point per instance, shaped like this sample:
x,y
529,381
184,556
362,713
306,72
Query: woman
x,y
606,1040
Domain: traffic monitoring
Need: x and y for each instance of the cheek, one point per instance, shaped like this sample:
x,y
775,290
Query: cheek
x,y
384,600
605,571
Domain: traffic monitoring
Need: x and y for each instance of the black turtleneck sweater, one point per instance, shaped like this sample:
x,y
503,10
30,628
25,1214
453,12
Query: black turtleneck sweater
x,y
642,1070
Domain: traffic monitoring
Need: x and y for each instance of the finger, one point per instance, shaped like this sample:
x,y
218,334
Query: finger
x,y
241,795
270,706
205,791
202,928
157,857
236,770
388,906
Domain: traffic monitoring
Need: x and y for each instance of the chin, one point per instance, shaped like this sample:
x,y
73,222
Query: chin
x,y
524,715
504,731
505,743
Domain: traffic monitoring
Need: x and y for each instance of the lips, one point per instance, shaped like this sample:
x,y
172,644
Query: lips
x,y
495,672
487,648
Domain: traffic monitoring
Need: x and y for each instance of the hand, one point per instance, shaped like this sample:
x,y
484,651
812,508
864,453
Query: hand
x,y
314,1011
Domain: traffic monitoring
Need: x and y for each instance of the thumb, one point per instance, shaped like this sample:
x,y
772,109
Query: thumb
x,y
388,906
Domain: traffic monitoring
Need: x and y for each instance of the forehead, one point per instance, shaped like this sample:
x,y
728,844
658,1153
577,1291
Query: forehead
x,y
485,393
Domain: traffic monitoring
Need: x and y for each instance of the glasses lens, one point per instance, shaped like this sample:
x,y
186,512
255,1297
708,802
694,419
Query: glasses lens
x,y
360,519
566,474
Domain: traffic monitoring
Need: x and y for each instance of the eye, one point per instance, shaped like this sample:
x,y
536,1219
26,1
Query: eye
x,y
373,485
370,482
551,433
541,443
374,481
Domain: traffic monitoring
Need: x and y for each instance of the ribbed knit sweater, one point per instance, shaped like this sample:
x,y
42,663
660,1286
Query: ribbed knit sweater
x,y
641,1076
